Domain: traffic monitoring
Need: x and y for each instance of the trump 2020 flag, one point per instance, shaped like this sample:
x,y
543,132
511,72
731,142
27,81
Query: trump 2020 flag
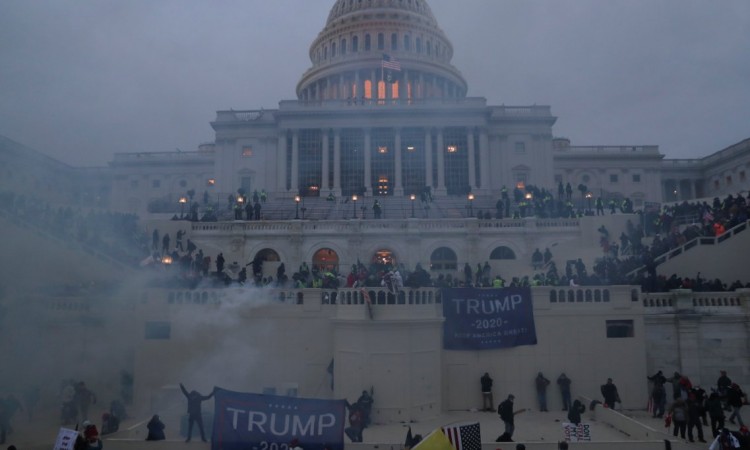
x,y
245,421
464,436
481,319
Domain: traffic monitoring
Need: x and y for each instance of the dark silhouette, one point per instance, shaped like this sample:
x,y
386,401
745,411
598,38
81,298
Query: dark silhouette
x,y
195,399
155,429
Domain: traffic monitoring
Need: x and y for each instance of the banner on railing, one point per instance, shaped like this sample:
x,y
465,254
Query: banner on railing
x,y
269,422
482,319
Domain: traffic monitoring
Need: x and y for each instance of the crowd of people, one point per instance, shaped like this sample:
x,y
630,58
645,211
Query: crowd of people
x,y
692,407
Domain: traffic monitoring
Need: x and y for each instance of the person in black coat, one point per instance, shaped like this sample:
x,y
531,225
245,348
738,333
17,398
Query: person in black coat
x,y
155,429
195,415
609,392
574,414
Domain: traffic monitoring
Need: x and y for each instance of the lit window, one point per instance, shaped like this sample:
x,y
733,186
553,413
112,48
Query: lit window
x,y
247,152
520,147
613,178
452,149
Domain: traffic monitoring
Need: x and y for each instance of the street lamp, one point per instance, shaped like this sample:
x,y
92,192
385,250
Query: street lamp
x,y
412,197
182,202
354,208
589,196
296,211
471,205
238,211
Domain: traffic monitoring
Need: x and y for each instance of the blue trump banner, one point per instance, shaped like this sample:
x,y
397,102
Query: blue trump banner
x,y
482,319
269,422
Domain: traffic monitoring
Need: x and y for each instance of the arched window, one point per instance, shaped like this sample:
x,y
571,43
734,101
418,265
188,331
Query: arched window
x,y
381,41
355,44
443,258
326,259
394,42
268,254
333,50
502,253
343,47
384,258
325,52
419,45
407,43
368,44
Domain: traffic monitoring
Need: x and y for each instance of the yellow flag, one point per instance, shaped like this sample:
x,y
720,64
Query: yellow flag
x,y
437,440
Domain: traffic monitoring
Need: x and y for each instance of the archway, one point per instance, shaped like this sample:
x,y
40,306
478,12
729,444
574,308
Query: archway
x,y
383,259
326,259
443,258
502,253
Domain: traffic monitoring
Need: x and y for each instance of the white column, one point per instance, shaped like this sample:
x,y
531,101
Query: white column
x,y
472,162
295,161
398,190
484,160
324,186
428,157
440,164
281,162
337,163
368,162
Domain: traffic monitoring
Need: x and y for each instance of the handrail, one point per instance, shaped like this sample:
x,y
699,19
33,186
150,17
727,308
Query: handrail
x,y
695,242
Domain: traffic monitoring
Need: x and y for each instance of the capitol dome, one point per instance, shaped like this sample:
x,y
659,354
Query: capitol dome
x,y
360,35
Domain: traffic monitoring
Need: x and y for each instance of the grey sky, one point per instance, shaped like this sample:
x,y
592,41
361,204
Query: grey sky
x,y
81,80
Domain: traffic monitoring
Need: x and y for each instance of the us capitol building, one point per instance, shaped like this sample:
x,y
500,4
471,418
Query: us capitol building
x,y
382,114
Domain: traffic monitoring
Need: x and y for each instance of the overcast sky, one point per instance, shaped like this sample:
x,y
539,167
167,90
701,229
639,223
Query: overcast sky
x,y
81,80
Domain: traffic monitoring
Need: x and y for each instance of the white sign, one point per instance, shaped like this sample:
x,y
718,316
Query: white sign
x,y
577,433
66,439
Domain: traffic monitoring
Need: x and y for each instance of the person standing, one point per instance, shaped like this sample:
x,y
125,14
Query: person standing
x,y
486,382
715,413
195,415
694,410
541,384
679,413
610,394
735,399
722,385
564,382
659,399
507,415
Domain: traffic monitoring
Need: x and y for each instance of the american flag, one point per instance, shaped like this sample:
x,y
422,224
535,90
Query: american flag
x,y
390,62
464,436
